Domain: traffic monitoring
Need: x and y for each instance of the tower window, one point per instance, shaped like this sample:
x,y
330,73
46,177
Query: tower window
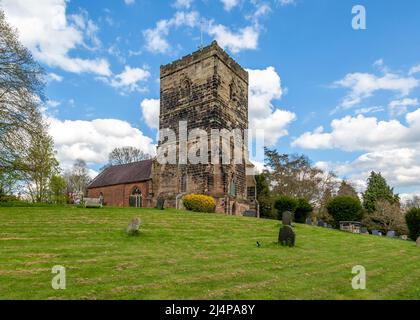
x,y
186,88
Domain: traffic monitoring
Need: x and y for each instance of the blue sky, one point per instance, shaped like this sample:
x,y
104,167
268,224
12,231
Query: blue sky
x,y
361,86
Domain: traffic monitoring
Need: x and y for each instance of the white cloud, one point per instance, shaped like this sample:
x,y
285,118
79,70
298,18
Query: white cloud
x,y
399,107
367,110
286,2
183,4
264,87
156,38
54,77
93,140
244,39
129,2
150,109
364,134
50,34
414,70
229,4
128,80
364,85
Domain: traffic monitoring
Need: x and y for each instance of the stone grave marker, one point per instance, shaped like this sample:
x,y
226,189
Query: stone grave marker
x,y
287,218
287,236
134,226
391,234
309,221
160,204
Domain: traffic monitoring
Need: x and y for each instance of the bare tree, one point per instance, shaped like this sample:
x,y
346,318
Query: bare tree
x,y
387,216
78,178
414,202
126,155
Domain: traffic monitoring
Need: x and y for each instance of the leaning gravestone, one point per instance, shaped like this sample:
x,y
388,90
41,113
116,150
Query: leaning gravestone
x,y
287,236
134,227
287,218
160,204
418,242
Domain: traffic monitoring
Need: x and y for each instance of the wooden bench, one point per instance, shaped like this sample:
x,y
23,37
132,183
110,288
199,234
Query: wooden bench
x,y
92,202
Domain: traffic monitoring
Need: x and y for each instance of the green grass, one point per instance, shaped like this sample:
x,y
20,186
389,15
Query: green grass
x,y
182,255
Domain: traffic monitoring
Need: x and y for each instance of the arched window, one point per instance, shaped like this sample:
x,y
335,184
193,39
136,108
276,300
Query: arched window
x,y
232,187
136,198
183,183
185,88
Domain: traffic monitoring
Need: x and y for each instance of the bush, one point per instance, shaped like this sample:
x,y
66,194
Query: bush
x,y
303,210
6,198
345,208
285,203
199,203
413,222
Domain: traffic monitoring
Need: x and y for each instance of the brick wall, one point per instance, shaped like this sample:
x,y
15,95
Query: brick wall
x,y
119,195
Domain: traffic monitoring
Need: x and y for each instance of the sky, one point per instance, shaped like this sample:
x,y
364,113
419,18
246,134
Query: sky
x,y
348,98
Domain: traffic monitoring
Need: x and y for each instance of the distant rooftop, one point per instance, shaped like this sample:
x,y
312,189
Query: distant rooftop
x,y
123,174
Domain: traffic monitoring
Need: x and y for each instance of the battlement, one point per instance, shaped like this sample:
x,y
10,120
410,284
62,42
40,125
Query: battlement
x,y
212,50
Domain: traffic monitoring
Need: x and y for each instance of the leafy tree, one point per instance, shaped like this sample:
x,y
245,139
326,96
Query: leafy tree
x,y
346,189
345,208
387,216
58,187
126,155
263,197
303,210
21,90
39,165
413,222
285,203
378,189
78,178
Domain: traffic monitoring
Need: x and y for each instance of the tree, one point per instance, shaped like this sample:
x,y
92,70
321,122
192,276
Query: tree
x,y
346,189
292,175
303,210
285,203
414,202
58,187
78,178
264,198
413,222
378,189
39,165
387,216
345,208
126,155
21,91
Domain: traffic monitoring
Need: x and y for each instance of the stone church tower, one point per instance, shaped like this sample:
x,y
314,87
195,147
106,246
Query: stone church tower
x,y
208,90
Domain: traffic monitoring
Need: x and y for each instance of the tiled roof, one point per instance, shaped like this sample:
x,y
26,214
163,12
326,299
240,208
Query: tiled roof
x,y
122,174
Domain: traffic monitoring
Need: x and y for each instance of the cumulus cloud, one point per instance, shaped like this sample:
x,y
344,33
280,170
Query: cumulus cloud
x,y
243,39
50,34
150,110
399,107
129,2
364,85
362,133
286,2
129,80
93,140
264,88
156,41
414,70
183,4
229,4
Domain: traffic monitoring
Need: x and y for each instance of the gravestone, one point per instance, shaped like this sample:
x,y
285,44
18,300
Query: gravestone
x,y
160,204
376,233
287,236
418,242
364,230
134,227
390,234
321,223
287,218
309,221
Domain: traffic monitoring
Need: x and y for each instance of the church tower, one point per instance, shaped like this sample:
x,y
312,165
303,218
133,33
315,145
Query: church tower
x,y
205,90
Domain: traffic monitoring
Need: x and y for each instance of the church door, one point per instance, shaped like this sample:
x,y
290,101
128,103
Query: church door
x,y
136,198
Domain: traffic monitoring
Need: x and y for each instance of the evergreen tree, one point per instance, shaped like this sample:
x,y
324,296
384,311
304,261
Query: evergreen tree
x,y
346,189
263,197
378,189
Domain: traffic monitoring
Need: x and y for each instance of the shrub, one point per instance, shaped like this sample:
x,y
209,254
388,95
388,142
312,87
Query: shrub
x,y
303,210
345,208
199,203
285,203
413,222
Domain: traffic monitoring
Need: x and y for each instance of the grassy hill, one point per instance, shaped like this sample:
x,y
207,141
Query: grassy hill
x,y
182,255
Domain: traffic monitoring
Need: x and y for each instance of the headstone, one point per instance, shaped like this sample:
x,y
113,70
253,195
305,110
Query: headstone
x,y
134,227
321,223
309,221
390,234
287,236
160,204
404,237
250,213
287,218
418,242
376,233
364,230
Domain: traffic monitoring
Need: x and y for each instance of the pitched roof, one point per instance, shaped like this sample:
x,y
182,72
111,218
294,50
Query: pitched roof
x,y
125,173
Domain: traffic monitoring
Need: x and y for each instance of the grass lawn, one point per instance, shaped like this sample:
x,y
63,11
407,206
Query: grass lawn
x,y
182,255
